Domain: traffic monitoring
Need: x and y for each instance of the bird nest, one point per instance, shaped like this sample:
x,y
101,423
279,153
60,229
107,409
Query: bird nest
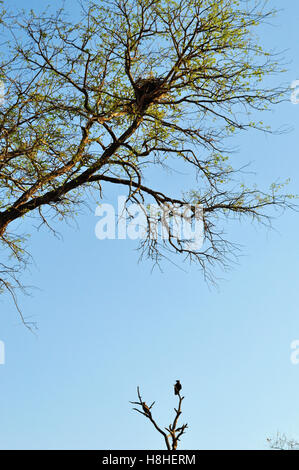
x,y
149,90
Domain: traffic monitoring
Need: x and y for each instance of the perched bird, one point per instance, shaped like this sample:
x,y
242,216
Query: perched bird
x,y
177,387
146,409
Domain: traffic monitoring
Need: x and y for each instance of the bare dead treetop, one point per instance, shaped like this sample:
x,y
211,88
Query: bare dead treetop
x,y
173,432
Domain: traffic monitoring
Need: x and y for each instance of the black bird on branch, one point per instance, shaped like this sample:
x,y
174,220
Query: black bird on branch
x,y
177,387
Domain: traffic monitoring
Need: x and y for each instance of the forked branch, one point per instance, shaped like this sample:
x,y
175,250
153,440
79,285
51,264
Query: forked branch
x,y
173,432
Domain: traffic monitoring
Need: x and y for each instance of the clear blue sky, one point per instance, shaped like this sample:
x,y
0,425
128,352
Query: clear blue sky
x,y
108,324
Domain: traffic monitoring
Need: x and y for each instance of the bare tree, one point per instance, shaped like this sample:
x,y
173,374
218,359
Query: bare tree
x,y
134,84
282,442
174,431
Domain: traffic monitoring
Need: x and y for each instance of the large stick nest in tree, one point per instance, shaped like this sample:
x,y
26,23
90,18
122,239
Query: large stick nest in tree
x,y
149,90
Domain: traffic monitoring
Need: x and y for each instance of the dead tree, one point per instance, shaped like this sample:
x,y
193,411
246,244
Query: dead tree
x,y
282,442
173,432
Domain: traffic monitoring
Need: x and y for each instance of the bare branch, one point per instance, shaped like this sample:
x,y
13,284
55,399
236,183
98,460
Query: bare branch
x,y
173,431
